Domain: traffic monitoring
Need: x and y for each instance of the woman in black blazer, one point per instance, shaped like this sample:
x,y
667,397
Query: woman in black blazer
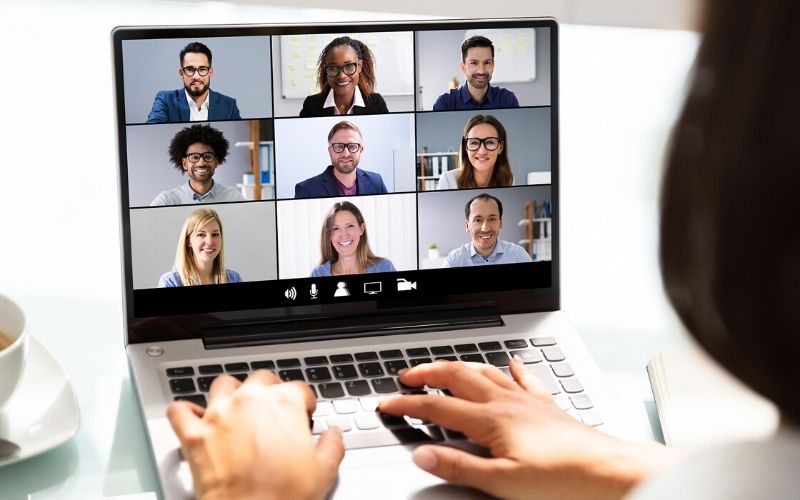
x,y
346,77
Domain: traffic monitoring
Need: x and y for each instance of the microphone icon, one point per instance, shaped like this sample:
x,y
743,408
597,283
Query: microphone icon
x,y
313,291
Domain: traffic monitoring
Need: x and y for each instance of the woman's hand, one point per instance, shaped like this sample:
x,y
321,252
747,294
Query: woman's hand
x,y
537,450
254,441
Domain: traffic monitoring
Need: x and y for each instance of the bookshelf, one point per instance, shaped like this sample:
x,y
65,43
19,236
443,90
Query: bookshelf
x,y
430,167
538,223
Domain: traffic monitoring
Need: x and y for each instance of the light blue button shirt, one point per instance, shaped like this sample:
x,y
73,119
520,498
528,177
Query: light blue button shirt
x,y
185,195
504,252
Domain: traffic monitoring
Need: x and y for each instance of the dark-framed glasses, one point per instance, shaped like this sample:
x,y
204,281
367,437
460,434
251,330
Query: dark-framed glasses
x,y
339,147
333,70
190,70
490,143
207,157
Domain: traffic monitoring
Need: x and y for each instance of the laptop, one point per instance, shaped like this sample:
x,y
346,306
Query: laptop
x,y
311,174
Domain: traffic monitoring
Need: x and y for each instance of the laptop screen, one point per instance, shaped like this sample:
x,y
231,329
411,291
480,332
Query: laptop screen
x,y
311,171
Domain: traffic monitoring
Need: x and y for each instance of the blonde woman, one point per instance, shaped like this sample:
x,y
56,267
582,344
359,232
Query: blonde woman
x,y
482,158
344,245
199,259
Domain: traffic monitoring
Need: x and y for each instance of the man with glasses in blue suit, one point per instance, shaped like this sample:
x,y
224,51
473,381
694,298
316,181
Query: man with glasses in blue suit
x,y
195,101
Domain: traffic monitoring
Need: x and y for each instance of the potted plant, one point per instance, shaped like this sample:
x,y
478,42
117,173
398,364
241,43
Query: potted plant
x,y
433,251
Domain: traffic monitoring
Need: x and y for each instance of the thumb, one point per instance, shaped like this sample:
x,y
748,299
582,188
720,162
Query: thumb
x,y
329,453
459,467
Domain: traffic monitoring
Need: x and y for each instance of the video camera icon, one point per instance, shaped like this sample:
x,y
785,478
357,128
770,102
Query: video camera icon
x,y
403,285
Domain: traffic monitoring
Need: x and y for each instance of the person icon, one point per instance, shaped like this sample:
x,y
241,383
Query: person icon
x,y
341,290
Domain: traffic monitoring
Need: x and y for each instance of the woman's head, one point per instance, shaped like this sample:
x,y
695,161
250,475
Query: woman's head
x,y
484,150
343,65
200,246
730,249
345,234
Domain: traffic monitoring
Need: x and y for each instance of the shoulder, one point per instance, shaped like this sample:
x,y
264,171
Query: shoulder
x,y
169,280
448,180
445,101
228,193
507,97
312,105
382,266
233,276
323,269
169,197
515,251
375,103
458,257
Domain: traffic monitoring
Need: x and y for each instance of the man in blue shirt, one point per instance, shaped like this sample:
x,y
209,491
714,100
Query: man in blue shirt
x,y
484,215
477,64
195,101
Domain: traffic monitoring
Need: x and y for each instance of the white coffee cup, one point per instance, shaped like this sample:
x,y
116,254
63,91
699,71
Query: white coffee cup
x,y
12,358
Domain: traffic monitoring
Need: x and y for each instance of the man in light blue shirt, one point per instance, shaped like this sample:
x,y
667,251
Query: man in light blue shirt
x,y
484,215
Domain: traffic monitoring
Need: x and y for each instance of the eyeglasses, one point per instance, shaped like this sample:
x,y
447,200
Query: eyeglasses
x,y
338,147
190,70
490,143
207,157
333,70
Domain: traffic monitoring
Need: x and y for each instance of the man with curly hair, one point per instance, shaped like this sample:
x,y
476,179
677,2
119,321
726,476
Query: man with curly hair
x,y
197,151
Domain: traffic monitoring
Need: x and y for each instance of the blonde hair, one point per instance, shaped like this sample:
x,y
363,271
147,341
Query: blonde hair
x,y
185,263
364,256
501,172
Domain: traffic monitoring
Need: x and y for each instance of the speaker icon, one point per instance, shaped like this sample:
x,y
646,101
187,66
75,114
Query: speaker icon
x,y
290,293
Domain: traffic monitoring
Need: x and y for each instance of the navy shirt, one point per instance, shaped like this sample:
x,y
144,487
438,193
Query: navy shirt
x,y
460,98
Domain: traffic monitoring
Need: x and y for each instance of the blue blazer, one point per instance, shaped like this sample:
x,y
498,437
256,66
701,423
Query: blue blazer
x,y
325,184
171,106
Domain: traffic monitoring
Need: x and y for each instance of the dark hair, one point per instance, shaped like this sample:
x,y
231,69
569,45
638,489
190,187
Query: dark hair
x,y
484,197
344,124
475,41
204,134
501,172
366,80
730,248
198,48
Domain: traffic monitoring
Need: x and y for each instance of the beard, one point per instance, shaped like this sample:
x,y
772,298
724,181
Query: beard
x,y
479,84
345,168
196,93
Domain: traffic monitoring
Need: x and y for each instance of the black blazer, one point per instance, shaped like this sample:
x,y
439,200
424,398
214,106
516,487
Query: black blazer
x,y
312,106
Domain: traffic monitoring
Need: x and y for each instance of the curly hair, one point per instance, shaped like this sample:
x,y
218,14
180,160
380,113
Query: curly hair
x,y
204,134
366,81
501,173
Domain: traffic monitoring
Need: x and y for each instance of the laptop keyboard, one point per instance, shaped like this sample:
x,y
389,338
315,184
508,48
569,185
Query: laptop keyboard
x,y
349,385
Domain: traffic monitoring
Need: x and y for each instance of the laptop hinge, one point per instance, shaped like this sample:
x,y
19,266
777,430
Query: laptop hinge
x,y
329,327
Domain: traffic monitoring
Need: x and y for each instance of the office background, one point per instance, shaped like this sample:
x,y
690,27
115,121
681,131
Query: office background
x,y
150,170
438,54
248,231
528,142
391,227
241,71
301,149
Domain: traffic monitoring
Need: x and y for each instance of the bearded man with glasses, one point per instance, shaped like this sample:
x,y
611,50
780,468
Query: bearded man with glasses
x,y
342,177
195,101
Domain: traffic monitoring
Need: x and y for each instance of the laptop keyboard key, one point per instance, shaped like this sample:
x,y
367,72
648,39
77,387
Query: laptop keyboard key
x,y
288,363
391,354
581,402
324,408
464,348
516,344
543,373
383,385
370,369
571,385
441,350
446,358
357,388
419,361
474,358
392,367
181,385
287,375
552,354
415,352
341,358
562,369
345,406
366,356
331,390
180,371
236,367
342,372
262,365
315,360
197,399
497,358
319,425
591,417
543,341
367,421
490,346
318,374
344,423
209,369
529,356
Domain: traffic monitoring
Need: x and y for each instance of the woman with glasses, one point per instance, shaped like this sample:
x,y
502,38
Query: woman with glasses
x,y
346,79
482,158
344,245
199,259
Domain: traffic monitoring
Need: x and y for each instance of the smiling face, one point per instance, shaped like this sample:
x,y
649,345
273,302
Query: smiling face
x,y
484,225
196,85
346,233
201,171
478,67
345,162
343,85
482,159
206,243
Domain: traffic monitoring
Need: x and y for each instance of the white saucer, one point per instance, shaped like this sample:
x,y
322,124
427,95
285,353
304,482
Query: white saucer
x,y
43,412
